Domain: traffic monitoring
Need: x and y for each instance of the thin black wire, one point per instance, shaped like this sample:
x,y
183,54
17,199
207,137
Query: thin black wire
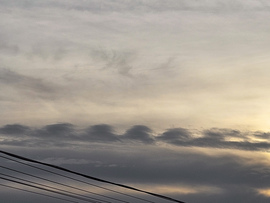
x,y
48,190
63,184
93,178
59,198
78,180
55,188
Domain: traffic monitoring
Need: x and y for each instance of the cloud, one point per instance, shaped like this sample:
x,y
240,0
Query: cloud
x,y
262,135
221,134
174,135
234,193
149,166
194,56
10,49
14,129
56,51
68,134
213,138
139,133
100,133
140,38
115,60
26,84
55,131
140,5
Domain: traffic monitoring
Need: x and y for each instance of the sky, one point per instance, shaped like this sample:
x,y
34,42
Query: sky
x,y
169,96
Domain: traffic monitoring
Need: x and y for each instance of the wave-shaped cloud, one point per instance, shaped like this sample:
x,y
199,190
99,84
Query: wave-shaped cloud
x,y
103,133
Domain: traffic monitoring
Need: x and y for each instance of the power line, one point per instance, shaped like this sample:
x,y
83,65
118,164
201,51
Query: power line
x,y
16,188
48,190
111,190
90,177
55,188
51,181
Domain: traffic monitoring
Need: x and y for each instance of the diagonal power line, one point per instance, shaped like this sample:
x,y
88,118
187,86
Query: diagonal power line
x,y
62,184
85,198
38,193
90,177
49,190
95,185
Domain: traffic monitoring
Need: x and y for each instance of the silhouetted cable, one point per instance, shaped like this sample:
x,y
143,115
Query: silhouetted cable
x,y
59,198
55,188
49,190
51,181
111,190
90,177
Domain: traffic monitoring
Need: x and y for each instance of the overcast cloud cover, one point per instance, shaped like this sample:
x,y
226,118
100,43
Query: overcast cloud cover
x,y
170,96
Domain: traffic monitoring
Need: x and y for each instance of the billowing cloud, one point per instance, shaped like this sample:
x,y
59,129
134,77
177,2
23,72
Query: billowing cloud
x,y
100,151
262,135
212,176
221,134
67,134
174,135
214,138
55,131
140,133
100,133
14,129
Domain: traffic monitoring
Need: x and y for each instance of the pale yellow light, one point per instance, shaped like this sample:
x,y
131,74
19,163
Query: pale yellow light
x,y
264,192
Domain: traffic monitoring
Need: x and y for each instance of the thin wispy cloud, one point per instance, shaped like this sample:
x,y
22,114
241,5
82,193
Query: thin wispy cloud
x,y
26,84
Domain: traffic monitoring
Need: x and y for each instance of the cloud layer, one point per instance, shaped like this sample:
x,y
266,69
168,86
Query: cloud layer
x,y
191,62
191,166
103,133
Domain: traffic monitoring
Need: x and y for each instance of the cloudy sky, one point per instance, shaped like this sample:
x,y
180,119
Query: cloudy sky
x,y
170,96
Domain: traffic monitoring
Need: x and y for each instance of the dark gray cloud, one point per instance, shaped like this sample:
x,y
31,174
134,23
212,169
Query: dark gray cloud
x,y
100,133
213,138
262,135
59,130
152,166
230,177
14,129
140,133
221,134
214,143
174,135
68,134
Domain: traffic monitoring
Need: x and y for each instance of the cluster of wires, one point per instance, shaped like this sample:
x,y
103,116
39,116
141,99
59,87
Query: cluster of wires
x,y
17,173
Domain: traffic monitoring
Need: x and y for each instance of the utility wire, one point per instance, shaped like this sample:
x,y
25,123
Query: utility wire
x,y
55,188
111,190
16,188
48,190
51,181
90,177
